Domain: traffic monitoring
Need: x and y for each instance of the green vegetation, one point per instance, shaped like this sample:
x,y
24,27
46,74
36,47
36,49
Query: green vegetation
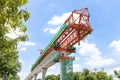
x,y
52,77
12,19
117,73
14,77
84,75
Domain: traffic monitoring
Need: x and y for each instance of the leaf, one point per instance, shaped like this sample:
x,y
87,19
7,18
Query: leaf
x,y
11,17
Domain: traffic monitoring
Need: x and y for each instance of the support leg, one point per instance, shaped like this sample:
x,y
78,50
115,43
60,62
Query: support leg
x,y
44,73
35,76
31,78
60,69
66,69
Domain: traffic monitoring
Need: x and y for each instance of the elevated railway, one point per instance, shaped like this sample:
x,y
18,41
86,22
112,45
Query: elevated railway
x,y
75,28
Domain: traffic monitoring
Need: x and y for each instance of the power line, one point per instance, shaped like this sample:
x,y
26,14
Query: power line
x,y
107,67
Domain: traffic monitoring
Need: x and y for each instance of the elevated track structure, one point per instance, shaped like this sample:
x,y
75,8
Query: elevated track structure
x,y
75,28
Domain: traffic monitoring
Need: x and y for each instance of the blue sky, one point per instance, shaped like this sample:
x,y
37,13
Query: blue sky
x,y
101,48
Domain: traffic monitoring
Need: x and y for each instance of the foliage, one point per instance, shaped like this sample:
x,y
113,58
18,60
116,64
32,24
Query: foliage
x,y
117,73
102,75
12,18
52,77
85,72
90,77
16,77
85,75
77,75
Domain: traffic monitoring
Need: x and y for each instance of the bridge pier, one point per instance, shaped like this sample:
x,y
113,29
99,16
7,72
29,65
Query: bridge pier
x,y
35,76
31,78
28,78
66,69
44,73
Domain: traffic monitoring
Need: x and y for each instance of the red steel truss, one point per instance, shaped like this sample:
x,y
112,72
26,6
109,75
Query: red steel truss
x,y
78,27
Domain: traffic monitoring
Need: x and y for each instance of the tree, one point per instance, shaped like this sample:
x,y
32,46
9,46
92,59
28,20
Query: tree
x,y
12,19
52,77
76,76
103,76
84,75
16,77
90,77
117,73
85,72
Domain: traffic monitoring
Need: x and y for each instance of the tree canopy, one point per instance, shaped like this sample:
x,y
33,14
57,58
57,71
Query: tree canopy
x,y
12,19
85,75
117,73
52,77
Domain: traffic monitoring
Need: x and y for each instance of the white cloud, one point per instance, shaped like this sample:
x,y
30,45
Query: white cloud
x,y
99,61
88,49
58,20
51,30
21,61
77,58
116,46
76,67
23,49
93,56
22,46
117,68
23,75
28,43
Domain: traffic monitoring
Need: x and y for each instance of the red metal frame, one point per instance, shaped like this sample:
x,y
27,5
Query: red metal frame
x,y
78,27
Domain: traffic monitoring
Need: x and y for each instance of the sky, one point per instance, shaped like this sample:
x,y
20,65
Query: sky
x,y
99,49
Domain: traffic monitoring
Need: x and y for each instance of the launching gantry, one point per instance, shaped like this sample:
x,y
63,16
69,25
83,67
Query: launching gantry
x,y
74,29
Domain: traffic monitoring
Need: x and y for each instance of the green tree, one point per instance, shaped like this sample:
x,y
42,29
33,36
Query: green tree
x,y
110,77
12,19
16,77
90,77
76,76
85,72
103,76
52,77
117,73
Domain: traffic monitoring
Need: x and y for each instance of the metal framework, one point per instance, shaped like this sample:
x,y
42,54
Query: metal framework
x,y
75,28
78,27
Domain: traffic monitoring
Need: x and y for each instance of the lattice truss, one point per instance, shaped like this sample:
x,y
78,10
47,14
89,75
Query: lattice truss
x,y
78,27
